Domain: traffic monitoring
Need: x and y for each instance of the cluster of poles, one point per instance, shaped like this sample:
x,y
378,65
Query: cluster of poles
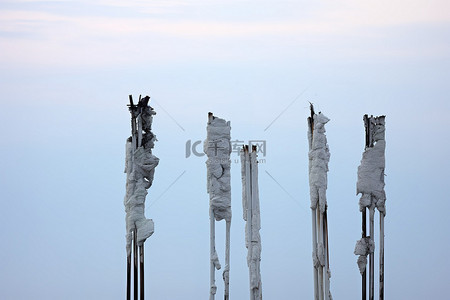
x,y
371,187
140,165
319,155
218,149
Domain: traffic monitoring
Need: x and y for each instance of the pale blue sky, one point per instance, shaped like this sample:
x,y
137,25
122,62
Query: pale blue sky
x,y
67,68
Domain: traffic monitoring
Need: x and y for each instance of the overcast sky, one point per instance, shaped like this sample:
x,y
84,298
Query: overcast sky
x,y
67,68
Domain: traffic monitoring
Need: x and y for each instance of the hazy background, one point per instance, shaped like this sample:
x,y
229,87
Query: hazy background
x,y
67,68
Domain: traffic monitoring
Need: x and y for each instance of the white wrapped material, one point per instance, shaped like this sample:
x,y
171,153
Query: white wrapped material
x,y
363,247
319,156
140,166
370,185
370,182
362,263
217,147
215,261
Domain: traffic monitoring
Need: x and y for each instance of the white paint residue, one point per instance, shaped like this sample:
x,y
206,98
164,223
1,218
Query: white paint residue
x,y
319,156
370,185
371,177
140,166
217,147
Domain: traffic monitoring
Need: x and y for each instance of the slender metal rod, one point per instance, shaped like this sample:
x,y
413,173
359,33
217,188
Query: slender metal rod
x,y
128,277
227,262
313,212
326,254
212,253
371,255
364,216
135,256
141,271
364,276
320,238
257,291
381,256
249,219
314,238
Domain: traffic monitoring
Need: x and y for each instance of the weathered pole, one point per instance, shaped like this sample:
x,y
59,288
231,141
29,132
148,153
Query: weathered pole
x,y
370,185
248,199
363,275
139,166
135,265
213,255
381,287
314,216
217,147
141,271
250,204
319,156
128,277
226,272
371,254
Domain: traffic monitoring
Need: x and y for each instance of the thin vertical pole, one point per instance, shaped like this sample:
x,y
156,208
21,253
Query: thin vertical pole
x,y
141,270
371,254
315,269
257,290
128,277
381,256
227,262
364,276
364,216
249,217
135,256
212,253
320,238
327,264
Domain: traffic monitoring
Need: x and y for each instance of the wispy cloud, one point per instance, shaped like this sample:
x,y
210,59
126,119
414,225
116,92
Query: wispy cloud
x,y
153,34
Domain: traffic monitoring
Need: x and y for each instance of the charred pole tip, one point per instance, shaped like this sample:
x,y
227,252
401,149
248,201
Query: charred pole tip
x,y
210,117
254,148
245,148
311,118
368,124
145,101
131,101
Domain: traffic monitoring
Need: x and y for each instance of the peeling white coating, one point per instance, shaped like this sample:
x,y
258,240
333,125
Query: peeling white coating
x,y
319,156
370,182
362,263
140,166
140,169
363,247
215,261
217,147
